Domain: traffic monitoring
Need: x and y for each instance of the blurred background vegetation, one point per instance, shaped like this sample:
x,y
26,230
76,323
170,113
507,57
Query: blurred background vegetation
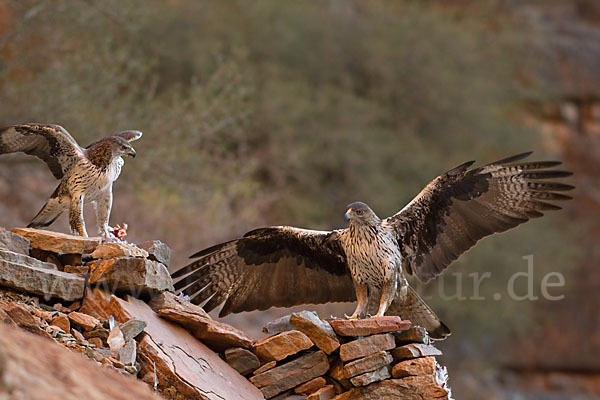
x,y
280,112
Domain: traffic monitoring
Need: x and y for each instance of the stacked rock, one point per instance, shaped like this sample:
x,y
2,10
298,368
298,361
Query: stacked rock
x,y
306,357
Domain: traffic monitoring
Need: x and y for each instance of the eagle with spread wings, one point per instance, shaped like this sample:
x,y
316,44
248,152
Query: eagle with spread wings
x,y
368,261
86,174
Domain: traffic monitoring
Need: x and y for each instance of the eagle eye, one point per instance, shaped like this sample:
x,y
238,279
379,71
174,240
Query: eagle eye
x,y
360,212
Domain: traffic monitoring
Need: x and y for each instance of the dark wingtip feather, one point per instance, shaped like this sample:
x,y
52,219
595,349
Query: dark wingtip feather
x,y
441,332
460,168
511,159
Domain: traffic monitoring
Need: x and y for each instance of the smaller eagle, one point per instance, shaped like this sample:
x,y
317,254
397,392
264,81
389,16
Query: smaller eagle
x,y
86,174
369,261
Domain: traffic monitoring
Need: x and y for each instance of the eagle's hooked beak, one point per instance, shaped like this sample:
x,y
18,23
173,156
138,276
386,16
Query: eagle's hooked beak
x,y
131,152
348,215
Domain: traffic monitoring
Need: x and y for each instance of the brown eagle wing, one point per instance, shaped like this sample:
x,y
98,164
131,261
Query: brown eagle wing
x,y
51,143
269,267
464,205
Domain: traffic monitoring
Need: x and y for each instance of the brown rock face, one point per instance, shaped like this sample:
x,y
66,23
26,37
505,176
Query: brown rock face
x,y
87,322
114,250
325,393
311,386
414,350
58,242
291,374
367,364
320,332
185,367
369,326
373,376
33,276
265,367
242,360
411,388
158,251
217,335
134,276
414,367
12,242
39,370
282,345
363,347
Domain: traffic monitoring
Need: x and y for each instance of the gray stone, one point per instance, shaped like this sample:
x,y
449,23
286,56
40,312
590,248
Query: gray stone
x,y
158,251
373,376
34,276
132,328
278,325
135,276
242,360
12,242
127,354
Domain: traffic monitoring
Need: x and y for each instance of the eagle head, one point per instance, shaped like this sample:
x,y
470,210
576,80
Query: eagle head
x,y
121,147
360,213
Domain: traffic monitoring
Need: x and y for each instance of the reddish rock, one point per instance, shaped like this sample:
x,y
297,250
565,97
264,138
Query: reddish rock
x,y
34,369
336,372
87,322
23,318
373,376
5,318
242,360
101,303
58,242
78,336
76,269
282,345
99,332
414,350
158,251
185,367
217,335
416,334
114,250
291,374
368,345
134,276
320,332
325,393
411,388
115,339
414,367
265,367
369,326
96,341
62,321
311,386
367,364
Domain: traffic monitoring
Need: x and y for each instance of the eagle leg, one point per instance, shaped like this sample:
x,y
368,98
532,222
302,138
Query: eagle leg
x,y
103,206
362,295
76,221
388,293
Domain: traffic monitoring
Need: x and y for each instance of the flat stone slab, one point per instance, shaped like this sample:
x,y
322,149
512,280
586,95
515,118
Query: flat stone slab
x,y
185,367
414,367
414,350
369,326
367,364
216,335
87,322
34,276
291,374
158,251
319,331
135,276
416,334
58,242
282,345
12,242
169,301
311,386
365,346
278,325
114,250
410,388
325,393
373,376
242,360
265,367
